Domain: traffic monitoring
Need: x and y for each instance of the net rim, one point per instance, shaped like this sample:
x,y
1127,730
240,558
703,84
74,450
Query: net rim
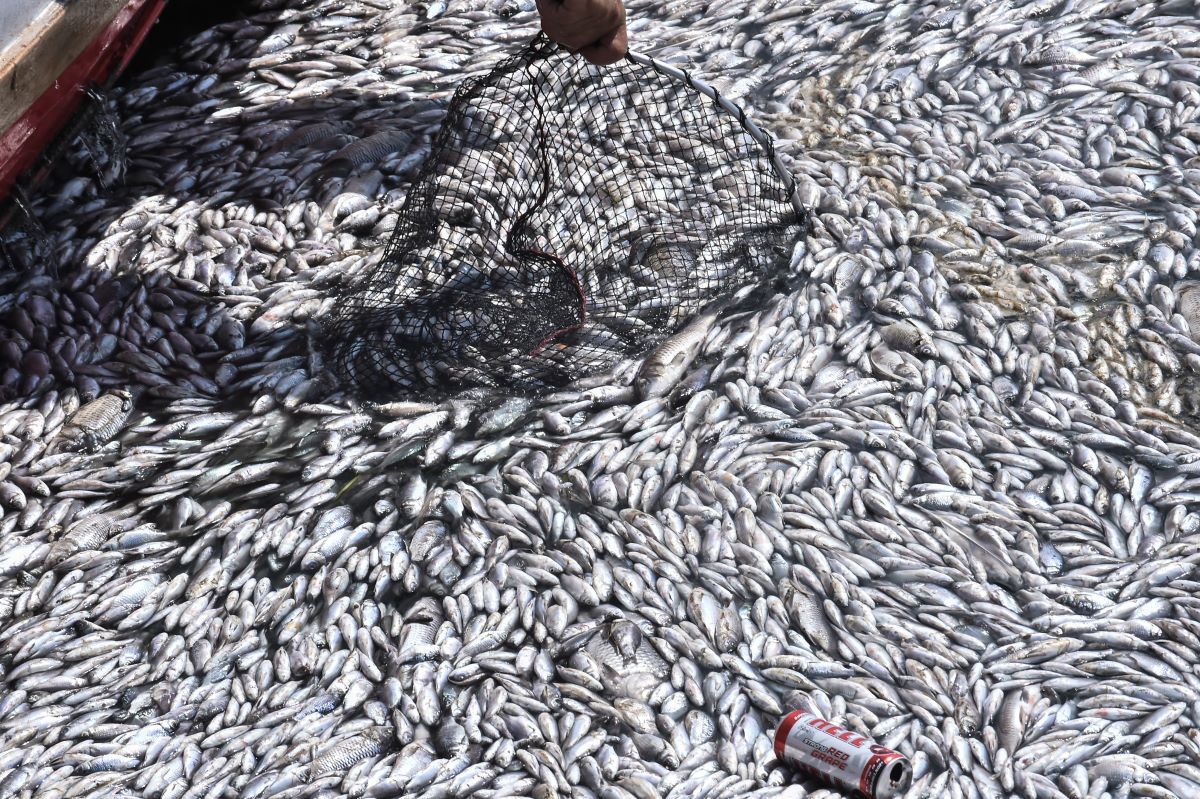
x,y
760,136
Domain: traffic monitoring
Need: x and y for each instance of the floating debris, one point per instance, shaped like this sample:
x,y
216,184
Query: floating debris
x,y
848,760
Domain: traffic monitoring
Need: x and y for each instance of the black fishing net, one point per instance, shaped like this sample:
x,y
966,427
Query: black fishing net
x,y
568,216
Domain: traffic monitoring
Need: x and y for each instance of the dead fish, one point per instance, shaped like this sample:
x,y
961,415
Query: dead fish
x,y
97,422
369,150
86,534
345,754
663,368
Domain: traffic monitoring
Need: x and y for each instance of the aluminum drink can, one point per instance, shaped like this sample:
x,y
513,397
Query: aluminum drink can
x,y
822,749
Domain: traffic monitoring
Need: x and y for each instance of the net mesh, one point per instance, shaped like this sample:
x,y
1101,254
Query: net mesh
x,y
568,216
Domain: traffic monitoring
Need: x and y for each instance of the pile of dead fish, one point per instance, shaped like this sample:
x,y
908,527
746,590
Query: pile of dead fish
x,y
945,494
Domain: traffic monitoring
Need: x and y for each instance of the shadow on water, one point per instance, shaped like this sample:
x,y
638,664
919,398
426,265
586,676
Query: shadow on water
x,y
179,21
102,301
85,260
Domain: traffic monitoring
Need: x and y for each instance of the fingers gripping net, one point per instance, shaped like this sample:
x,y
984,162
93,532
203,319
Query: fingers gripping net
x,y
567,216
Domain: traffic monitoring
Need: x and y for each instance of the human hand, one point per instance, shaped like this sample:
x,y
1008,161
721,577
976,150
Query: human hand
x,y
595,29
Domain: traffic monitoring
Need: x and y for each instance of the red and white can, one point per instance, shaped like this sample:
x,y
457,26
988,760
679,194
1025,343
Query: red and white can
x,y
822,749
